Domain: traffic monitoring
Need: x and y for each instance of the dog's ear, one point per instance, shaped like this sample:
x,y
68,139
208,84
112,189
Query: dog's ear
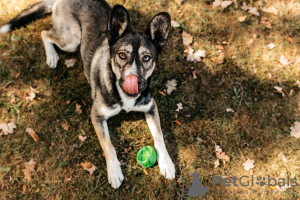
x,y
158,29
118,23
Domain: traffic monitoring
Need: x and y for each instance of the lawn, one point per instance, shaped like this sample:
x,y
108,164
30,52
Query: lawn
x,y
258,128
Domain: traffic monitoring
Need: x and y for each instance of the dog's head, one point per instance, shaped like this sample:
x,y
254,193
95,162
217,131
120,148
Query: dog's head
x,y
134,54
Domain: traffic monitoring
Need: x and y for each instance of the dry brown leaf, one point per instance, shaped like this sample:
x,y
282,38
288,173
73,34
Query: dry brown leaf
x,y
29,95
290,40
186,38
295,130
34,90
175,24
194,75
217,163
221,58
7,128
222,156
179,2
266,22
32,134
83,102
242,18
177,122
82,138
65,126
88,167
171,85
145,171
25,189
249,164
68,102
37,190
70,63
78,108
271,10
162,93
29,168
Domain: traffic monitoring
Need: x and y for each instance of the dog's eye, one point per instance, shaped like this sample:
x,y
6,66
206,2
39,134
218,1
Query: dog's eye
x,y
122,56
146,58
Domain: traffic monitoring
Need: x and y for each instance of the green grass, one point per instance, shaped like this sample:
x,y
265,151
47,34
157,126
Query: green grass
x,y
259,130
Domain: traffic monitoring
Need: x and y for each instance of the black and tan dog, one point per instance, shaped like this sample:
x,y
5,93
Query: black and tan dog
x,y
118,64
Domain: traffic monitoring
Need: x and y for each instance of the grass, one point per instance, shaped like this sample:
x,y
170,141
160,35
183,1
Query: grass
x,y
259,129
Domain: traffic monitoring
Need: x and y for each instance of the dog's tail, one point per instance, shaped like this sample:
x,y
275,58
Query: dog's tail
x,y
30,14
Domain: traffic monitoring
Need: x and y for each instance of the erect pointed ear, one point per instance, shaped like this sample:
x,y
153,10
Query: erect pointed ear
x,y
158,29
118,23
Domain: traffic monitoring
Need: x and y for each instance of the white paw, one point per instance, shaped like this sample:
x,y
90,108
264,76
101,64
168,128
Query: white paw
x,y
52,58
167,168
115,175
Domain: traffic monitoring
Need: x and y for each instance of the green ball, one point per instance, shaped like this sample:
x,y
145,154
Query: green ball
x,y
146,156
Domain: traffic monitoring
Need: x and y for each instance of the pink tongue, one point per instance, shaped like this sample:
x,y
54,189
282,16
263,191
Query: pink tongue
x,y
131,84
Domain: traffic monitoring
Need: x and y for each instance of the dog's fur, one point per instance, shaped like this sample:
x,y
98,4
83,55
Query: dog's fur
x,y
104,33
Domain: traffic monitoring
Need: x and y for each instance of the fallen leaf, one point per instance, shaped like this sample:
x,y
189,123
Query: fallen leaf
x,y
37,190
194,75
83,102
7,128
223,4
78,108
271,10
162,93
245,6
295,130
179,2
171,86
218,148
217,163
229,110
70,63
249,164
65,126
68,102
175,24
34,90
29,168
82,138
220,59
242,18
271,46
197,56
186,38
283,60
32,134
290,40
291,92
25,189
266,22
253,11
29,95
279,90
145,171
179,107
177,122
88,167
222,156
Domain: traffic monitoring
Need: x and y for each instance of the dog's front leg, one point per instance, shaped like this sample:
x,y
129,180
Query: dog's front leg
x,y
165,163
114,172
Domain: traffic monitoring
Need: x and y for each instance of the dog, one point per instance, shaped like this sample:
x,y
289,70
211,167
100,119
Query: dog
x,y
118,64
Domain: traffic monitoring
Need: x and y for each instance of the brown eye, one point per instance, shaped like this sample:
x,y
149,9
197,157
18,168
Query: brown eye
x,y
122,56
146,58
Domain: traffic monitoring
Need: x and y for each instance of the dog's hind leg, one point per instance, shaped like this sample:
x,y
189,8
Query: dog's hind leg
x,y
65,37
